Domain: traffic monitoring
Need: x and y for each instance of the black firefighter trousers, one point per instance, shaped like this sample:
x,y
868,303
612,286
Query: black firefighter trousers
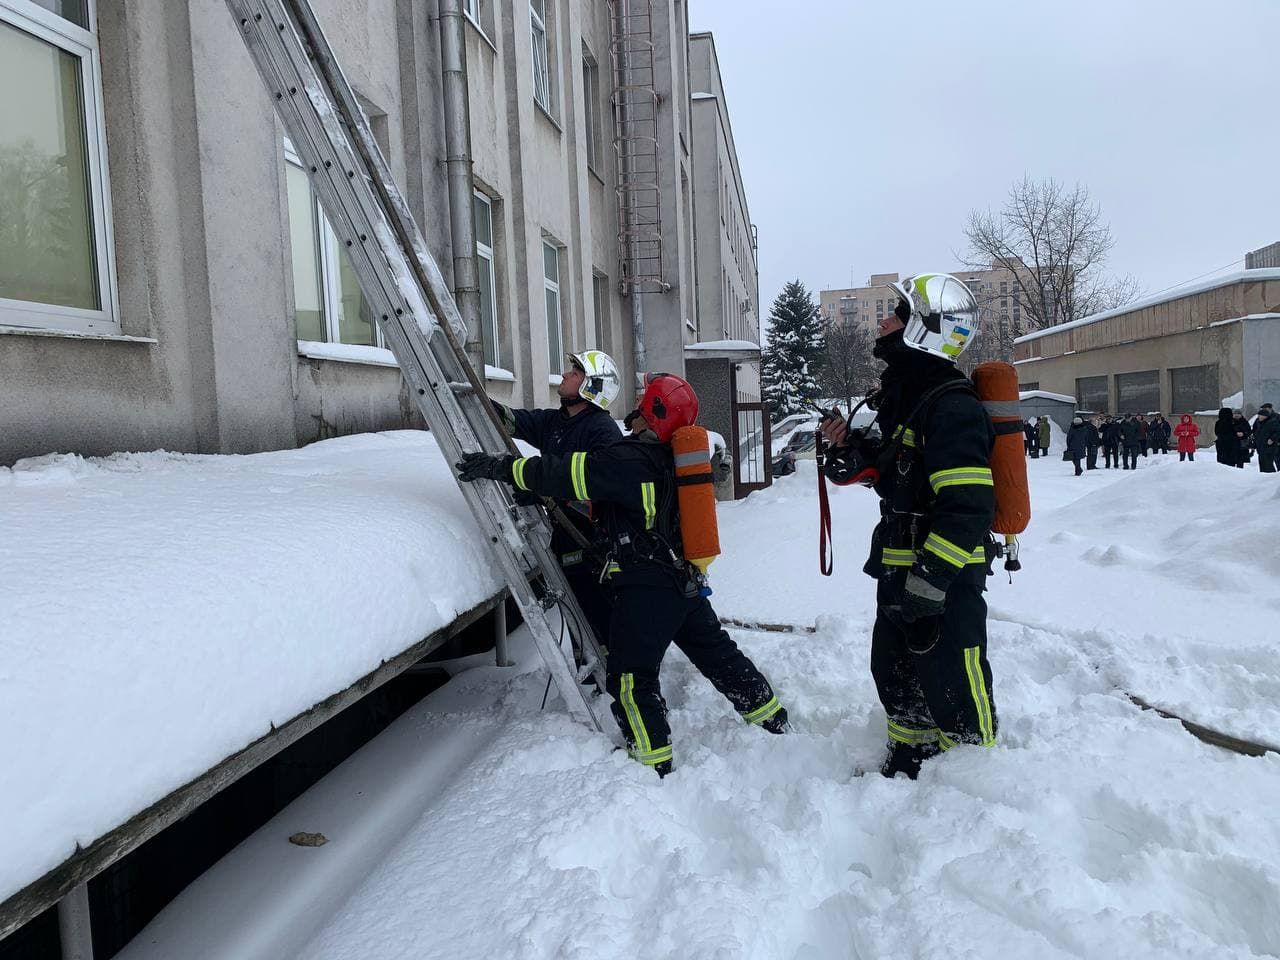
x,y
937,699
648,619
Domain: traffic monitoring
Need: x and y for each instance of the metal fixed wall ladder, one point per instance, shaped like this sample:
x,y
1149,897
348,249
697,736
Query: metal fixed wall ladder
x,y
416,313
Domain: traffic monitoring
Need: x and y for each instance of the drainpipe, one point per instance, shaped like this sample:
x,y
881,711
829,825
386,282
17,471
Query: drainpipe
x,y
457,145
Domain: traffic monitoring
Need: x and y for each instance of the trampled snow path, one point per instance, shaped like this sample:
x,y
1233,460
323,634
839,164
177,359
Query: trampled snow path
x,y
1092,830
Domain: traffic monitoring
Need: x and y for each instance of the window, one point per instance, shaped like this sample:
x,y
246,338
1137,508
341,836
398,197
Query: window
x,y
1033,385
1092,394
472,9
1138,392
600,300
328,304
483,212
1194,388
551,288
55,230
541,64
591,99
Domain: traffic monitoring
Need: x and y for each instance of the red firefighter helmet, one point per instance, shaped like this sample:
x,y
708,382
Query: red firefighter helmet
x,y
668,404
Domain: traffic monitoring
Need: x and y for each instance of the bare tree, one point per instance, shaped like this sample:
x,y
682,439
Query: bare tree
x,y
1054,241
849,370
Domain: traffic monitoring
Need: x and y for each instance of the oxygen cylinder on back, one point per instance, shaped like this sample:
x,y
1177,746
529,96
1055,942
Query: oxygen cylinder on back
x,y
695,489
997,386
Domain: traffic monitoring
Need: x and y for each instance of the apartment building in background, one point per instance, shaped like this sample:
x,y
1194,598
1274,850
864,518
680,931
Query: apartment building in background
x,y
171,282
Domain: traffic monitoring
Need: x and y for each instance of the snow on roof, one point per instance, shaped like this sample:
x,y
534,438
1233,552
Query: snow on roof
x,y
1045,395
161,611
1177,294
723,345
1249,316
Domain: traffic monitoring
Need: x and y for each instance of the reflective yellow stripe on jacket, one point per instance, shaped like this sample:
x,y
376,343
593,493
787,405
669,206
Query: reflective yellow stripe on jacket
x,y
649,500
578,473
961,477
517,472
944,549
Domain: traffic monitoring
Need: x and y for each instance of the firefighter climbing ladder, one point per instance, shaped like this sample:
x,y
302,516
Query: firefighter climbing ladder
x,y
416,312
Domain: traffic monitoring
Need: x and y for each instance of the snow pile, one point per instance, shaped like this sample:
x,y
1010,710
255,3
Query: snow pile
x,y
1093,829
161,611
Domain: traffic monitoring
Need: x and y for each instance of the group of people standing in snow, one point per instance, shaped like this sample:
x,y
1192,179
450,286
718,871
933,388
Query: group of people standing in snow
x,y
1236,439
1121,439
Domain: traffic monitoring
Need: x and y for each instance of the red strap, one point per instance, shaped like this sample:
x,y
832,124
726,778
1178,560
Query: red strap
x,y
826,548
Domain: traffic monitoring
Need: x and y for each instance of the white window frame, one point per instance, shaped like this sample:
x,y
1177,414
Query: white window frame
x,y
330,267
593,119
472,9
484,256
540,52
555,330
44,25
600,305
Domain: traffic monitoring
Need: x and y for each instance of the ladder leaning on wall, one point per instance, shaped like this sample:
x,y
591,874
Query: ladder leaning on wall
x,y
417,315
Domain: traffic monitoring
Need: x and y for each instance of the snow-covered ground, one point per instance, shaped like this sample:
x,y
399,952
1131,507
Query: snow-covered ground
x,y
1093,829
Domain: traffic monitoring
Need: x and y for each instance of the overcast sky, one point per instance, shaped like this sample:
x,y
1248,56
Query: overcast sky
x,y
867,130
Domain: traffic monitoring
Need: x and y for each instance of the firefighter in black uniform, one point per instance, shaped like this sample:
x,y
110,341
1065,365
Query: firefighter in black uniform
x,y
932,548
658,597
588,388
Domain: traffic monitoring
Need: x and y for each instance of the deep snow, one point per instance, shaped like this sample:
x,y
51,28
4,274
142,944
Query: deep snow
x,y
160,611
1093,829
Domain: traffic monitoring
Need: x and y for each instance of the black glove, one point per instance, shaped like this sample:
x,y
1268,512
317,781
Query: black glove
x,y
485,466
922,596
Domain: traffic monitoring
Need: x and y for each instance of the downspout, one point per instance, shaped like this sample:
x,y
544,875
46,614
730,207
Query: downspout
x,y
457,145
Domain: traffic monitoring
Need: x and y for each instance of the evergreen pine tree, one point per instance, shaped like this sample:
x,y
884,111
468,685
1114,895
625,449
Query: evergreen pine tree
x,y
793,353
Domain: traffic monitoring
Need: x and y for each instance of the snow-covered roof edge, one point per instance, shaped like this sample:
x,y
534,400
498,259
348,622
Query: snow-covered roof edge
x,y
1269,273
723,345
1044,395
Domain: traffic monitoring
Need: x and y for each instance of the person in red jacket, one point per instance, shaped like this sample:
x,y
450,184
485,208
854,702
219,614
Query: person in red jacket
x,y
1186,432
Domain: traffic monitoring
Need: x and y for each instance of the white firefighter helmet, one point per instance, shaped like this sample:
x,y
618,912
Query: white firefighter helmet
x,y
600,383
944,314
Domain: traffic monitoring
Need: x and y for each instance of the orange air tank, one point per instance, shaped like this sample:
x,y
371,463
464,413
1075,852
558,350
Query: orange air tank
x,y
997,386
695,488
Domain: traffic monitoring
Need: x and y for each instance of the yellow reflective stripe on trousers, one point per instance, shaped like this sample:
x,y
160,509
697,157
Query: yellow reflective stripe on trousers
x,y
650,503
979,555
912,736
978,687
961,477
627,696
653,757
764,712
578,473
892,557
517,472
943,548
945,742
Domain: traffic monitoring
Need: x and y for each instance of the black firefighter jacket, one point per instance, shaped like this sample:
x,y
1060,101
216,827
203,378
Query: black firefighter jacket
x,y
948,485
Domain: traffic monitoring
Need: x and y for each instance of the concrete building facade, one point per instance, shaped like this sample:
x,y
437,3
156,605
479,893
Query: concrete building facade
x,y
725,366
1192,350
174,284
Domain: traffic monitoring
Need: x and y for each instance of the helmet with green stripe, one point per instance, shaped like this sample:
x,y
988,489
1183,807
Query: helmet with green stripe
x,y
601,383
943,317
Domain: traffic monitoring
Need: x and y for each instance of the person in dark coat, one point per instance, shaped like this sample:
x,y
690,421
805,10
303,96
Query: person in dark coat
x,y
1224,438
1131,439
1093,439
1266,438
1244,438
1033,446
1077,442
1144,438
1186,432
1160,432
1111,442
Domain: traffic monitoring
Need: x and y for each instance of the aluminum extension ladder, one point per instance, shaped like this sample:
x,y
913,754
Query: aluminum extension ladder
x,y
416,313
